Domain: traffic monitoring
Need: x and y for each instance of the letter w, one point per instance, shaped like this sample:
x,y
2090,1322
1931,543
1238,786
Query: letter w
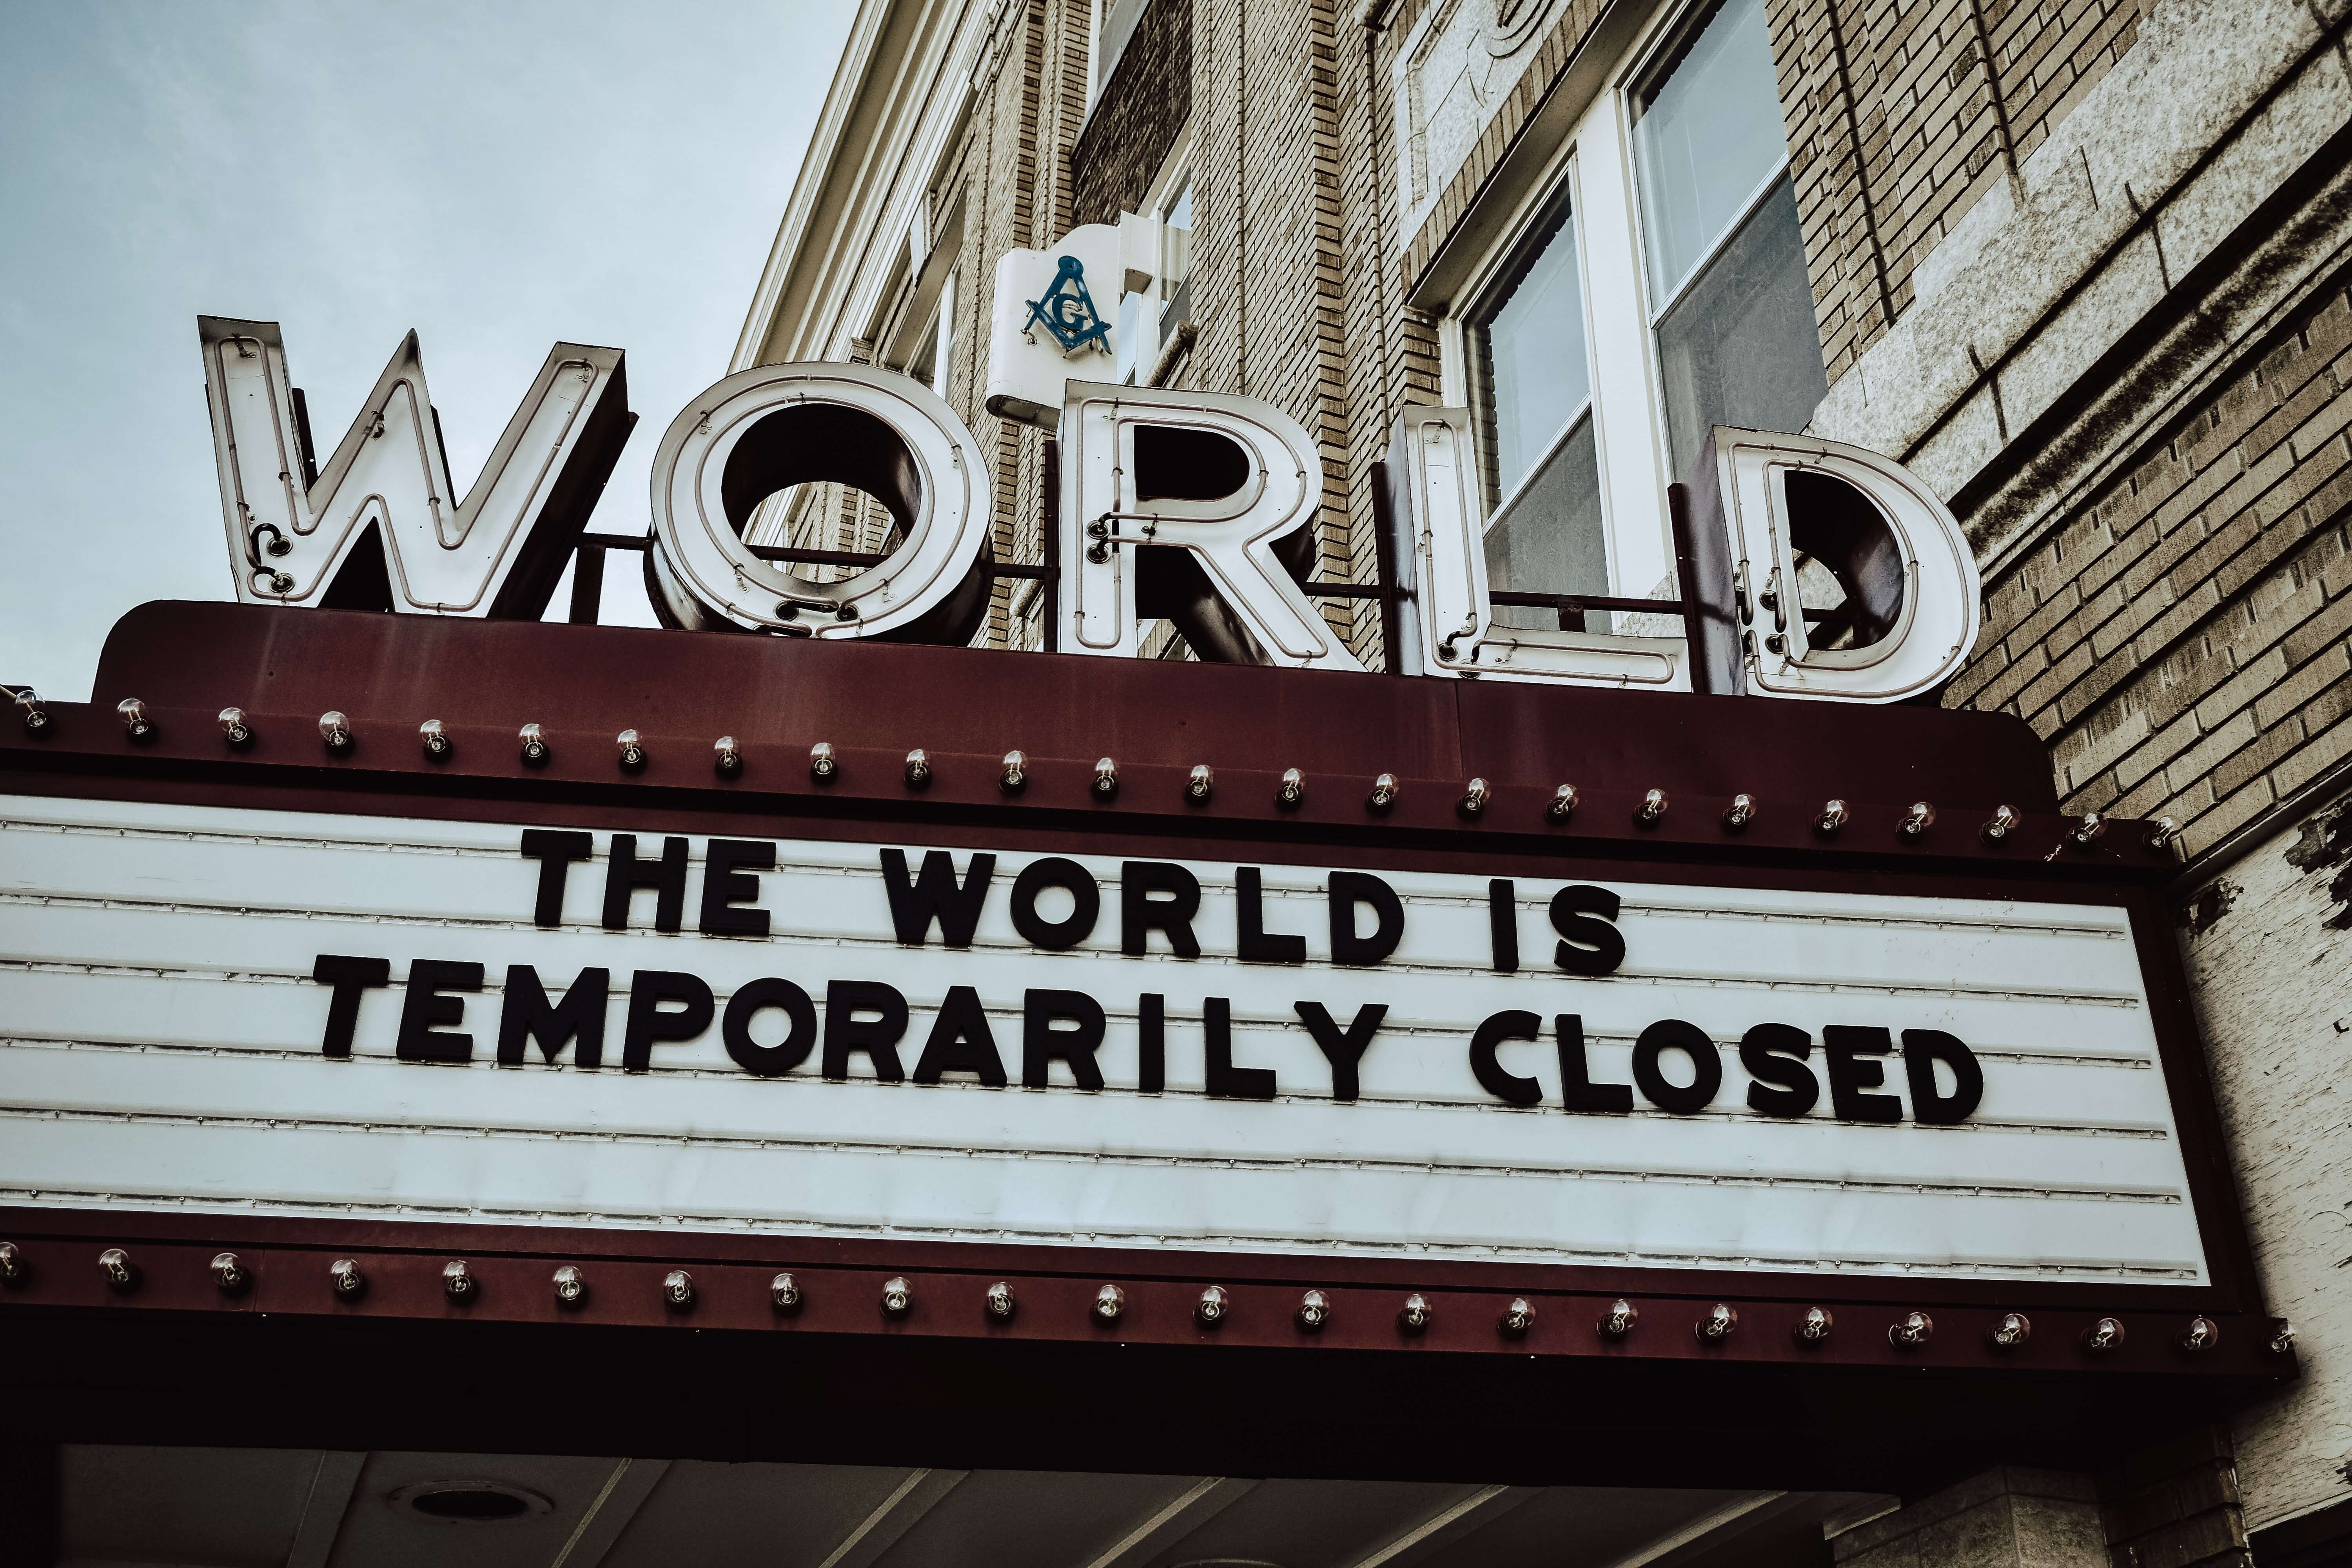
x,y
934,894
380,528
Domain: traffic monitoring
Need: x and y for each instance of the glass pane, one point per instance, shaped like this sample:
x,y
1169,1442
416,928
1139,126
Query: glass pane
x,y
1708,135
1741,347
1176,261
1533,346
1131,324
1548,540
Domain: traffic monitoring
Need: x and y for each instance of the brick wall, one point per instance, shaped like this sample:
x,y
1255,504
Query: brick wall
x,y
1135,117
2175,1505
1901,117
2181,641
1269,297
1000,214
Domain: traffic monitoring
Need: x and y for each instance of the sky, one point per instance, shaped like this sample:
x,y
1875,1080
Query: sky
x,y
499,175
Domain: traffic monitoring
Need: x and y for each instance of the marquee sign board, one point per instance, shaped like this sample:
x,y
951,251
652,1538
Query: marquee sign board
x,y
1289,1036
339,1014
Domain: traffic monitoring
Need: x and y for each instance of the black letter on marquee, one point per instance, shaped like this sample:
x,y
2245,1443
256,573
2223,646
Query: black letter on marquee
x,y
579,1018
1140,914
425,1008
1842,1047
554,852
648,989
348,977
726,885
1503,921
1576,1085
1256,944
1922,1049
1151,1029
961,1041
1227,1081
877,1037
776,1060
1706,1062
1343,1051
1349,888
1776,1054
934,894
1086,904
1042,1044
624,873
1507,1086
1589,942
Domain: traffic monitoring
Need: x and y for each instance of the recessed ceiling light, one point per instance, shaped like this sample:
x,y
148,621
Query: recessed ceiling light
x,y
468,1501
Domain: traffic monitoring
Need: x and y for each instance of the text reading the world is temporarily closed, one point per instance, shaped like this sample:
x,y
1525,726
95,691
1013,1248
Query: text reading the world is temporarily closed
x,y
772,1025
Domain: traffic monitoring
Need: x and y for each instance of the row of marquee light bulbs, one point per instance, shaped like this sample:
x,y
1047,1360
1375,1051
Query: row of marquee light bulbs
x,y
1013,777
1713,1326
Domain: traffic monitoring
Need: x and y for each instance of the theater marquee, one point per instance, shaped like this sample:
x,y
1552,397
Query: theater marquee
x,y
514,971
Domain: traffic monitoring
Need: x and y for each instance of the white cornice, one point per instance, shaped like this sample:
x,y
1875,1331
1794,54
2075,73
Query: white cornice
x,y
848,78
867,170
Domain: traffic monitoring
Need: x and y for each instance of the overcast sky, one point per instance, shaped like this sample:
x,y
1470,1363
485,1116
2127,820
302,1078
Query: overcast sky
x,y
498,176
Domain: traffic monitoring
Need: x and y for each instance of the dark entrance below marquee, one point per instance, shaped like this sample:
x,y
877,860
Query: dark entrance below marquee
x,y
359,1509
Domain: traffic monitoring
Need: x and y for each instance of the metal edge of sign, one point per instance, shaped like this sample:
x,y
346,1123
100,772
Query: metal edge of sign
x,y
2153,1313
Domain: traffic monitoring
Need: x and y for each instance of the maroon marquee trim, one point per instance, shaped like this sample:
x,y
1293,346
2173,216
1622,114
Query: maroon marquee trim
x,y
966,707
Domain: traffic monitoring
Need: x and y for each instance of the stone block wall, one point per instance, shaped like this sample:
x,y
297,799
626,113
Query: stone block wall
x,y
2173,1505
2008,1518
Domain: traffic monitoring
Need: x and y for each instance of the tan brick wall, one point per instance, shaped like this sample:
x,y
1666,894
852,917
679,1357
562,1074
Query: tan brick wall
x,y
2181,642
1000,216
1901,117
2175,1505
1135,120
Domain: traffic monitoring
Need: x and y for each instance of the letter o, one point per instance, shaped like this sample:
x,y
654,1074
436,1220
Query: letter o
x,y
1680,1099
763,429
1085,897
770,1061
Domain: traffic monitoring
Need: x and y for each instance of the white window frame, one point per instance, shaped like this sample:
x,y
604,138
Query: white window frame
x,y
1480,298
942,332
1594,167
1175,172
1097,13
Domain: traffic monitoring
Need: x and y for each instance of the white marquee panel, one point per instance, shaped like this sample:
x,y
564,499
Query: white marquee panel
x,y
161,1046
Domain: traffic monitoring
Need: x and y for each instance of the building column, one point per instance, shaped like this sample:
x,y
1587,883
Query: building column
x,y
2008,1518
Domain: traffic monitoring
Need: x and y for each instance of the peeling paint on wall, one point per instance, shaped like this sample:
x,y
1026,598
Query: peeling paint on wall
x,y
2269,951
2203,912
2325,843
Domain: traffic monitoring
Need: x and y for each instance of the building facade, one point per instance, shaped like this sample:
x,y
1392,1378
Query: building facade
x,y
872,1074
2081,266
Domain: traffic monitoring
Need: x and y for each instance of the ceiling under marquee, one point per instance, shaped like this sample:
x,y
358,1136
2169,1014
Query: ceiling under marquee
x,y
308,1509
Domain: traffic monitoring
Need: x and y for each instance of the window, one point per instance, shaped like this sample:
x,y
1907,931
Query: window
x,y
1650,285
1149,318
1176,260
1731,305
925,364
1544,533
935,348
1114,24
